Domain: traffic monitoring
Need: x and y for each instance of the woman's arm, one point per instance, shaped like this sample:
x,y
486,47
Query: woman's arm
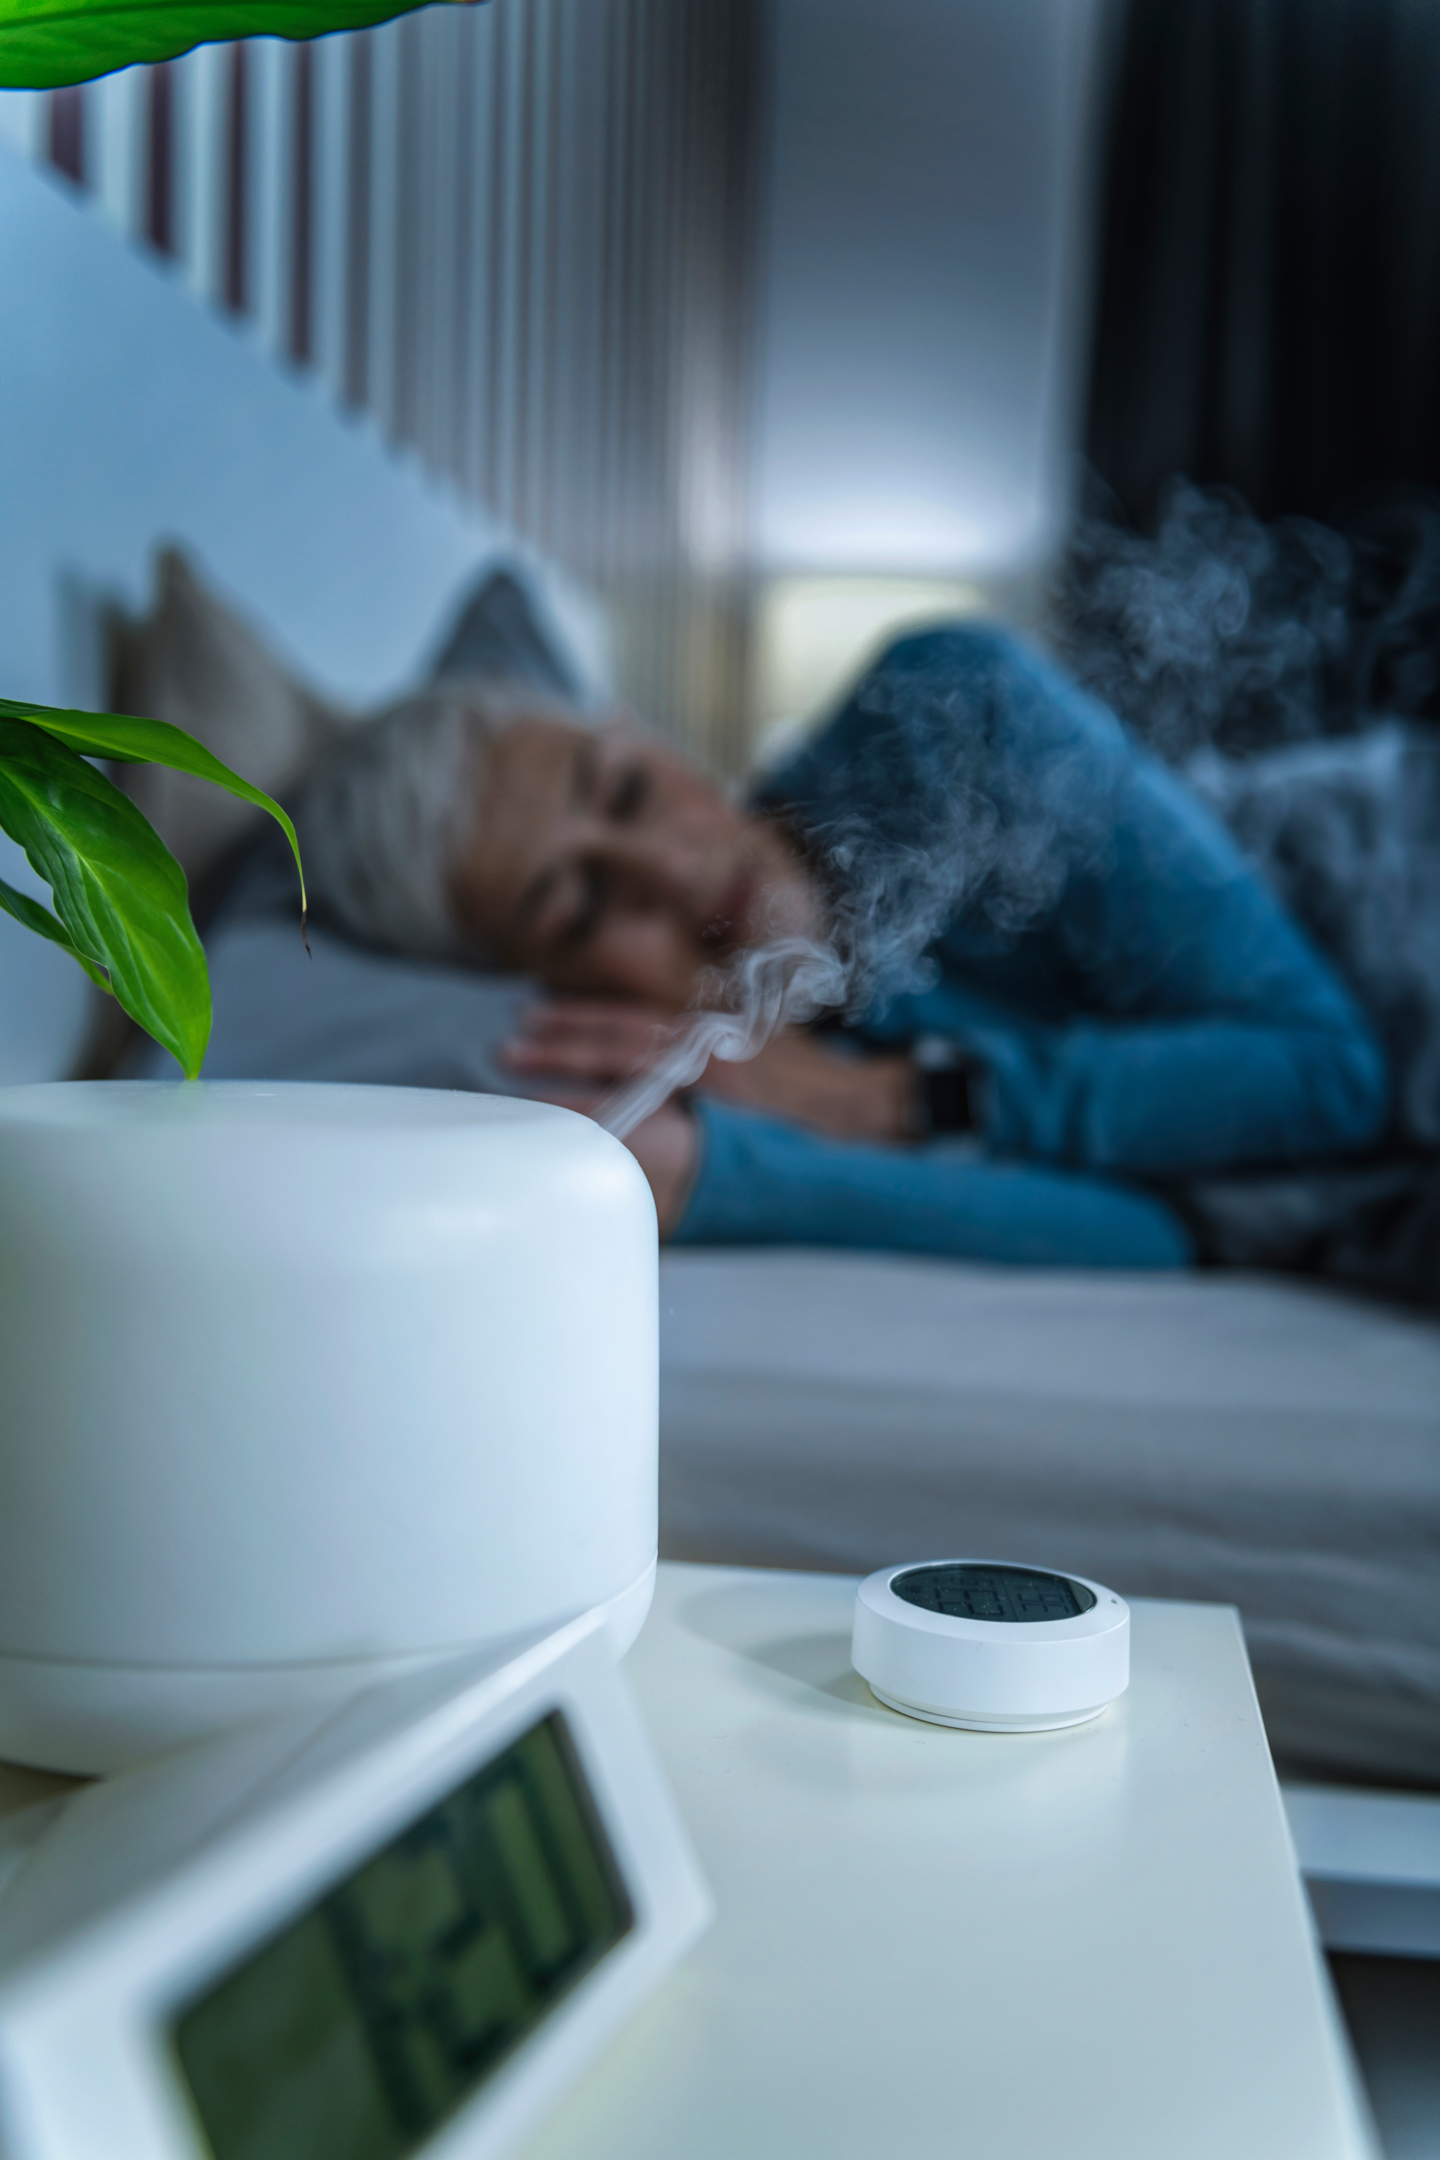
x,y
756,1181
1157,1097
1151,1006
1214,1034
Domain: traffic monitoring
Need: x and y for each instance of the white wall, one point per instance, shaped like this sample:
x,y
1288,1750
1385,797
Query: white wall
x,y
918,348
128,416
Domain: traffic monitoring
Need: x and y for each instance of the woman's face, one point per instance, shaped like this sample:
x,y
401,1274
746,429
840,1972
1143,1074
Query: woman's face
x,y
605,863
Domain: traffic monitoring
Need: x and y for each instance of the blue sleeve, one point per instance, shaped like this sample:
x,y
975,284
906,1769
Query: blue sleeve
x,y
1205,1029
1170,1097
761,1182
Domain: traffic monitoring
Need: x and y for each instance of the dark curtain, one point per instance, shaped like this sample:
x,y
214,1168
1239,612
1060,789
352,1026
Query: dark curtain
x,y
1269,305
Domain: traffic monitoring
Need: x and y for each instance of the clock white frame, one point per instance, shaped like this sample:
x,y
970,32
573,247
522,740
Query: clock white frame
x,y
133,1895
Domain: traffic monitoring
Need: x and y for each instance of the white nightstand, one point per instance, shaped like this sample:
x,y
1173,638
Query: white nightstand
x,y
1091,1942
1083,1943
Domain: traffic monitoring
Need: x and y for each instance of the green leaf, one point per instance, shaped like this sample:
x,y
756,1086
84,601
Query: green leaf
x,y
45,44
43,923
119,892
148,742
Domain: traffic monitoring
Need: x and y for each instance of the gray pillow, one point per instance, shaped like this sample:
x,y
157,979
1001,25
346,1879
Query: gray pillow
x,y
339,1013
194,662
498,635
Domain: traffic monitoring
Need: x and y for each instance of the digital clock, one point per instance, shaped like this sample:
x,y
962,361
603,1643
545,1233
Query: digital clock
x,y
393,1928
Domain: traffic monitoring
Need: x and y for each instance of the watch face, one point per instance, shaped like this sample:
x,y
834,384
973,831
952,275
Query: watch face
x,y
948,1107
966,1590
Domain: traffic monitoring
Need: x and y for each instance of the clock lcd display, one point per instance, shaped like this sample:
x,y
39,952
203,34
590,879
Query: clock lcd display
x,y
355,2033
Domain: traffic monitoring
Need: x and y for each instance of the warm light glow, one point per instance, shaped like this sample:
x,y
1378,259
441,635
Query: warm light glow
x,y
814,633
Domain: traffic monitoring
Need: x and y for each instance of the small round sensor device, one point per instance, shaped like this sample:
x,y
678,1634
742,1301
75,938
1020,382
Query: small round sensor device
x,y
990,1645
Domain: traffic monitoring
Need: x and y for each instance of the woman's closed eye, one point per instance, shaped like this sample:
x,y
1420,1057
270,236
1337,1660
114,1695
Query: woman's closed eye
x,y
585,920
628,796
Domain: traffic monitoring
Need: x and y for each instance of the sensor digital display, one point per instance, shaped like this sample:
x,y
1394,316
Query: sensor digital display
x,y
357,2031
993,1593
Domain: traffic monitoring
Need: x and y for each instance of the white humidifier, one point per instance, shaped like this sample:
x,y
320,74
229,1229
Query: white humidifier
x,y
302,1387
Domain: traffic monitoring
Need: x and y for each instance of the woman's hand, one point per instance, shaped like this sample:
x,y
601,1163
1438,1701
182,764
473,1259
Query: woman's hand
x,y
796,1077
598,1042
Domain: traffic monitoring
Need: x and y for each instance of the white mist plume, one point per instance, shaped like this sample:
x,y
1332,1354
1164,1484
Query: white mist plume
x,y
1221,629
781,984
1217,628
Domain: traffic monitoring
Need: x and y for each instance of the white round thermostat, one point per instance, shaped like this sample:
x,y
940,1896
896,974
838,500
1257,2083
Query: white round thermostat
x,y
991,1645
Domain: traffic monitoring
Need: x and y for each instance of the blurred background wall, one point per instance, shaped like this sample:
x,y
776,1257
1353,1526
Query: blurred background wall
x,y
783,322
763,316
513,239
921,309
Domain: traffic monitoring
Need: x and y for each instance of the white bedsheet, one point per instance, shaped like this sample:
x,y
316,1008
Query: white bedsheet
x,y
1257,1441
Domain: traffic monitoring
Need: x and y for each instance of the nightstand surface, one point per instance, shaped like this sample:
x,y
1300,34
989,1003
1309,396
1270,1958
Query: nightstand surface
x,y
1088,1942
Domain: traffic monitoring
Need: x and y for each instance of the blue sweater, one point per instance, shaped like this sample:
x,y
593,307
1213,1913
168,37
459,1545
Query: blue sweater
x,y
1141,1005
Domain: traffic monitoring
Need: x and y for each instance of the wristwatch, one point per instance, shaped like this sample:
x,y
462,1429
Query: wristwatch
x,y
949,1086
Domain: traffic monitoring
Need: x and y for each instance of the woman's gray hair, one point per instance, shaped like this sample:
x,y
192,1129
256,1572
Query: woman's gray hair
x,y
384,819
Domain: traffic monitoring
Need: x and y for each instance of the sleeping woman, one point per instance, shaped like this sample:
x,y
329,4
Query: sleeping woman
x,y
1100,1000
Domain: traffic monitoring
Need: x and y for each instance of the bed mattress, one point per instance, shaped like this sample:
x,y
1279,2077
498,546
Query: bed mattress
x,y
1262,1442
